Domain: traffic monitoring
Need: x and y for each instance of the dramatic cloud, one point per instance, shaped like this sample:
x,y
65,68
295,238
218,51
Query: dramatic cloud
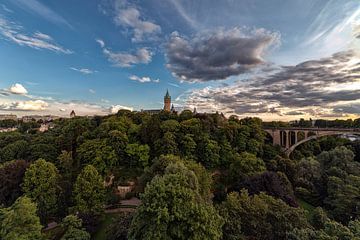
x,y
14,33
128,16
320,88
143,79
36,105
83,70
17,88
115,108
126,59
217,54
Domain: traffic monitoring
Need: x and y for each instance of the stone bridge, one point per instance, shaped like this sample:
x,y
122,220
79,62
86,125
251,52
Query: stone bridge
x,y
291,137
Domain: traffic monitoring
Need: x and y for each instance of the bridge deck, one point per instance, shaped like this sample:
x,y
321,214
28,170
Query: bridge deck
x,y
313,129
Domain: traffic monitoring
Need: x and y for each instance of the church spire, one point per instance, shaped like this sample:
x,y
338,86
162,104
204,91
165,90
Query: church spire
x,y
167,101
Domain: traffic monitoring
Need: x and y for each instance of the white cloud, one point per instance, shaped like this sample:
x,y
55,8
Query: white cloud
x,y
143,79
101,42
128,16
115,108
332,30
17,88
92,91
42,36
83,70
31,105
34,6
14,33
126,59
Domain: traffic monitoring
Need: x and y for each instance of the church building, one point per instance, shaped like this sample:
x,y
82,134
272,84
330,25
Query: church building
x,y
168,107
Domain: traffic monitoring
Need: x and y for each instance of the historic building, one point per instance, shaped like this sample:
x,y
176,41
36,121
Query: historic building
x,y
168,107
167,101
72,114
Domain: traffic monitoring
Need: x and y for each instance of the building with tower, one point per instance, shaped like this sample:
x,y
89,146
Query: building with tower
x,y
72,114
167,105
167,101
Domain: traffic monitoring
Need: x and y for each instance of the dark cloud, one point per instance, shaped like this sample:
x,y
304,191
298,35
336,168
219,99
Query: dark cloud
x,y
350,108
312,87
217,54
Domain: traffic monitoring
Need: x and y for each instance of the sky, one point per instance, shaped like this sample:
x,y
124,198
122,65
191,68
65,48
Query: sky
x,y
274,59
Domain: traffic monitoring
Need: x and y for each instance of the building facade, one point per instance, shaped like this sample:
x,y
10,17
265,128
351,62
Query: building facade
x,y
8,117
167,106
167,101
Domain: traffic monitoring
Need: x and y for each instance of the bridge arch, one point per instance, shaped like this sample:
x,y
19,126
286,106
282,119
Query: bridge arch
x,y
292,148
289,138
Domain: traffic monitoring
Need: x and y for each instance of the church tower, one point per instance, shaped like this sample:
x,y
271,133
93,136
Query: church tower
x,y
167,102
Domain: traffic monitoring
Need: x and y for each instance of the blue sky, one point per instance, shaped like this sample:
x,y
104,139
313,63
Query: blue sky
x,y
233,56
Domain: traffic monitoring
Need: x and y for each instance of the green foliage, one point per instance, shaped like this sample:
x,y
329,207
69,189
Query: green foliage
x,y
15,150
259,216
119,228
178,212
138,154
41,185
73,230
20,222
89,192
11,178
246,164
97,153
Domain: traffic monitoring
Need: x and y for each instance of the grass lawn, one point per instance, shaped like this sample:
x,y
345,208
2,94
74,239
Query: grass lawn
x,y
307,206
101,233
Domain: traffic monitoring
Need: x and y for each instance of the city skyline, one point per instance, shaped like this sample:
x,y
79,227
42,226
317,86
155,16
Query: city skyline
x,y
278,60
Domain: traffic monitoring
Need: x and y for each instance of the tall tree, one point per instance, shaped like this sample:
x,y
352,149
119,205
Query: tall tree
x,y
172,208
20,222
41,185
89,192
72,226
11,177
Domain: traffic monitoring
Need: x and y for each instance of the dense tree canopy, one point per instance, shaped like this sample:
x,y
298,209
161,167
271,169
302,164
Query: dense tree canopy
x,y
89,191
178,211
20,222
198,176
41,185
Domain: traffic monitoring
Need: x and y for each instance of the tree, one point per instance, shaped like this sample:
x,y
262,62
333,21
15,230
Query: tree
x,y
89,192
138,154
178,212
73,230
15,150
167,144
11,177
97,153
41,185
119,228
343,198
20,222
259,217
246,164
187,146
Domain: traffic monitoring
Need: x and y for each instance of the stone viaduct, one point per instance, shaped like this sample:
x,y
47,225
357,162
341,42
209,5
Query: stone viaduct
x,y
291,137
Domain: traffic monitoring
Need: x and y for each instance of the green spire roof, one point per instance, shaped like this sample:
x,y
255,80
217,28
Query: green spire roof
x,y
167,95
